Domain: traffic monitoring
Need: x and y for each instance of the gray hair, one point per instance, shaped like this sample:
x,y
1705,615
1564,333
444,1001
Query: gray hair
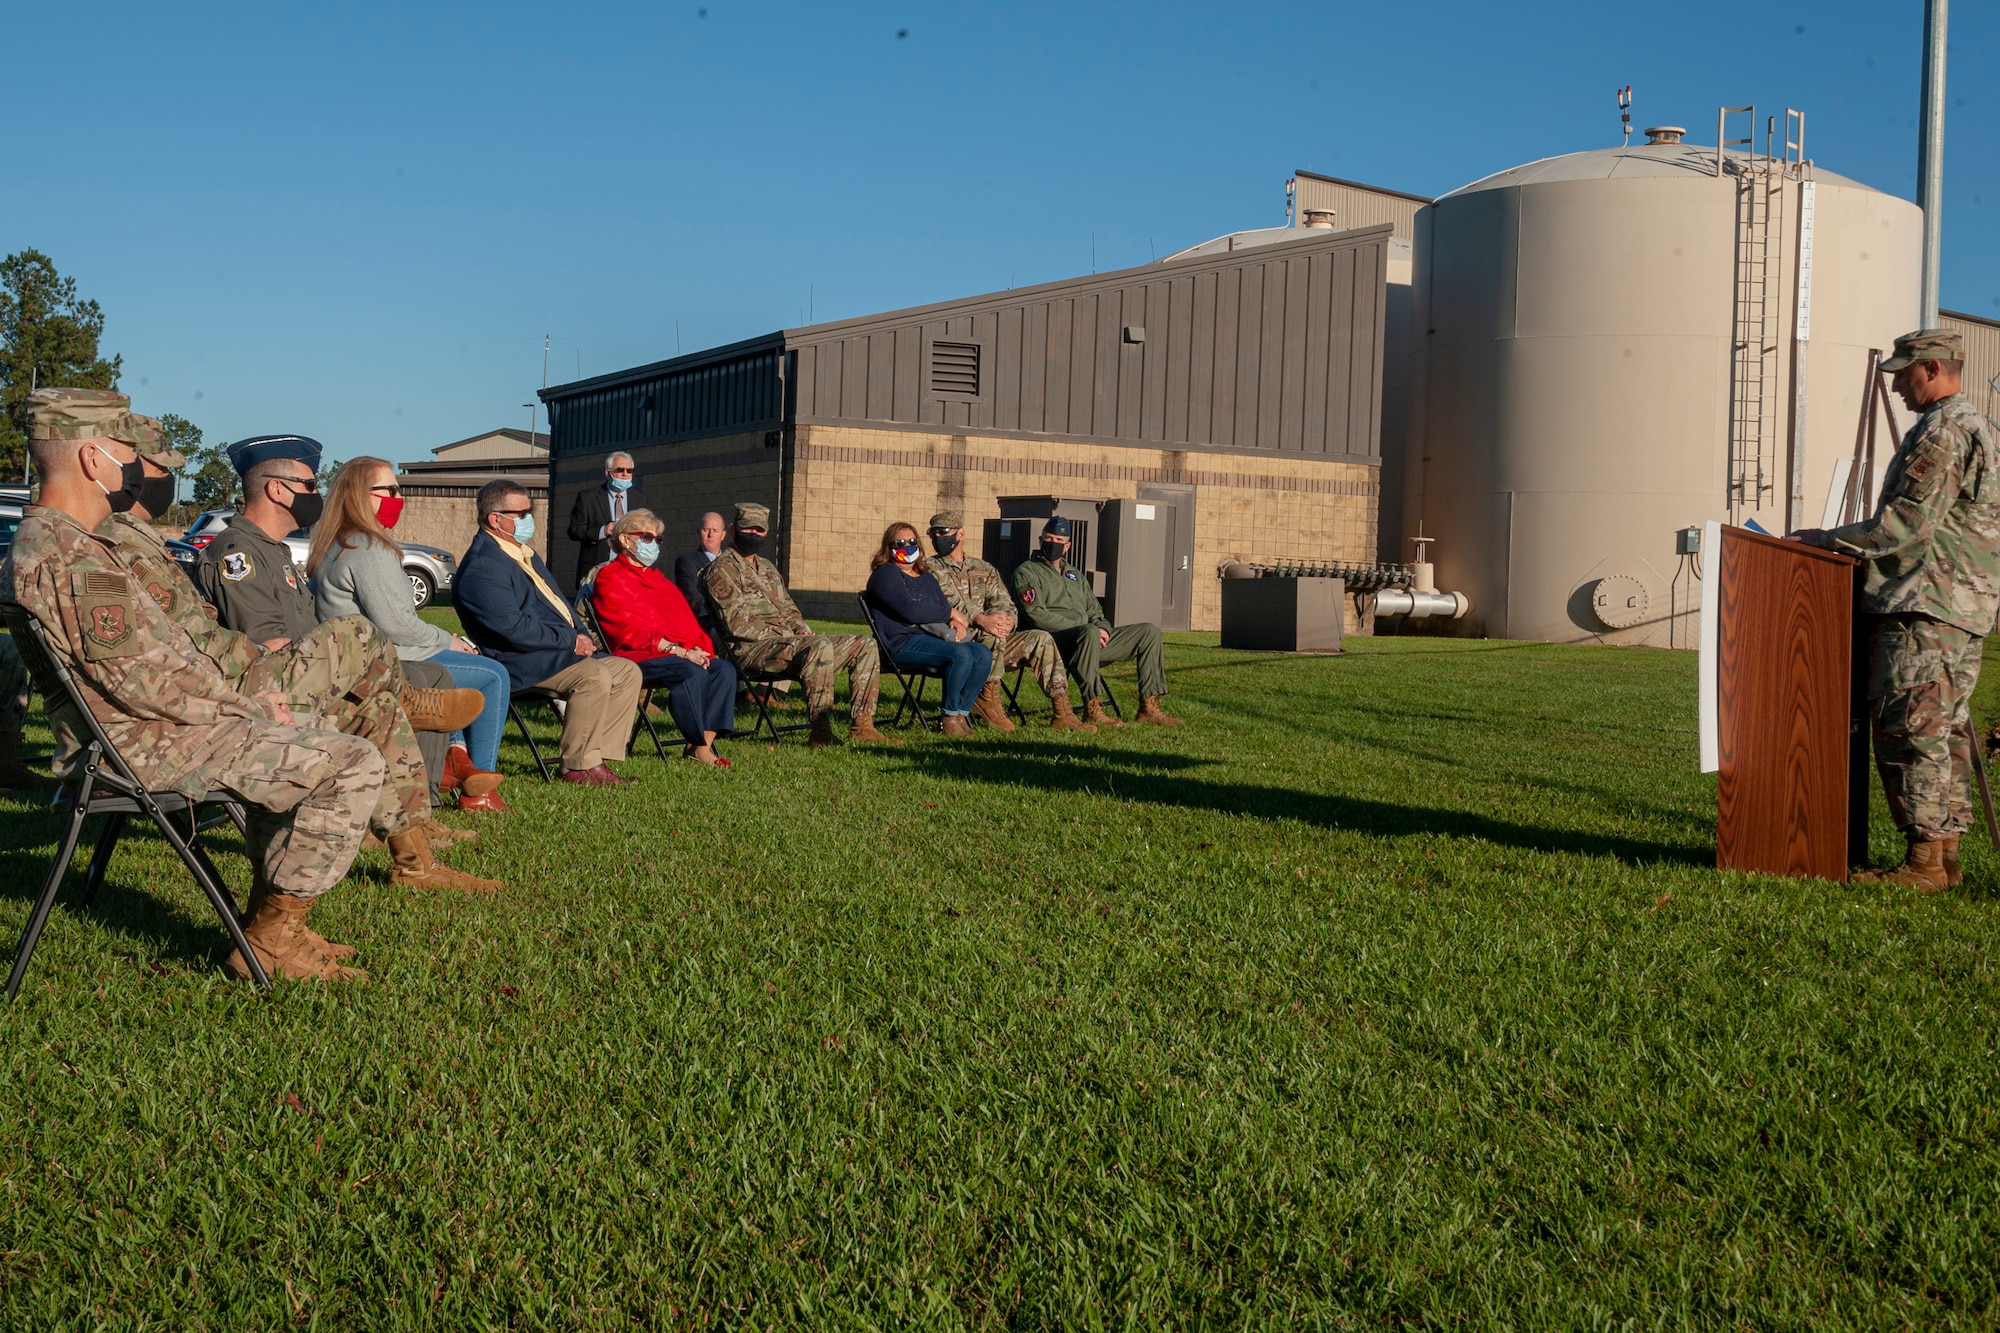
x,y
610,460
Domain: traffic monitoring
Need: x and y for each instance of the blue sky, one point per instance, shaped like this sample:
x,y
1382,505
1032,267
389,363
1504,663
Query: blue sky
x,y
357,221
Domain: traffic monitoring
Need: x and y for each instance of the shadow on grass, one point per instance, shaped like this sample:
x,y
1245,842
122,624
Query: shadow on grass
x,y
1166,780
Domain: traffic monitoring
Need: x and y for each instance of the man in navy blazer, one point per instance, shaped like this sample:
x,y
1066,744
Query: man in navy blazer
x,y
509,606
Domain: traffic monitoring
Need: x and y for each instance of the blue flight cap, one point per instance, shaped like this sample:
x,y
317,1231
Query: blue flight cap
x,y
1057,526
246,454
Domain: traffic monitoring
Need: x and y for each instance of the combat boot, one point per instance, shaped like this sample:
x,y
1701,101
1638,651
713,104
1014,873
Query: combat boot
x,y
1149,711
991,705
286,946
442,710
438,834
1954,873
1066,718
416,867
1922,868
954,725
1094,714
822,733
862,732
14,773
260,889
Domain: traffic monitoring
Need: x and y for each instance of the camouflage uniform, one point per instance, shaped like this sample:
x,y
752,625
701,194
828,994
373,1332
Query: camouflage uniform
x,y
975,588
174,717
765,632
13,689
1932,582
343,673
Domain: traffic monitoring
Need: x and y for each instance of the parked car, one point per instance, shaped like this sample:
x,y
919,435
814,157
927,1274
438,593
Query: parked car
x,y
10,520
430,568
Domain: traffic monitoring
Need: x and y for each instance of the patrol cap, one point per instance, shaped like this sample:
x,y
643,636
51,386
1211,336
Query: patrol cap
x,y
1057,526
753,516
246,454
947,518
161,455
82,414
1926,345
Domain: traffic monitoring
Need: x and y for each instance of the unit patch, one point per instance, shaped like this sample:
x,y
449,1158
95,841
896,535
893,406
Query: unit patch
x,y
159,593
109,626
292,577
236,567
1027,597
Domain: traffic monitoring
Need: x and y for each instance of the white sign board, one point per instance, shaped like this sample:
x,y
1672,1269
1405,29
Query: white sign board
x,y
1711,647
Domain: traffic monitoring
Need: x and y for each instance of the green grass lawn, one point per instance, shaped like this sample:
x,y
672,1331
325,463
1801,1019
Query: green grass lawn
x,y
1396,987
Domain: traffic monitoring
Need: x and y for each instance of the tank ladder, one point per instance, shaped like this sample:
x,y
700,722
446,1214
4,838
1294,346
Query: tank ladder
x,y
1759,282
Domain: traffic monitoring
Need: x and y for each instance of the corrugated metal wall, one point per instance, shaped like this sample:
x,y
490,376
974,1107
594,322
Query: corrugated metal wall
x,y
1277,348
1982,358
1356,205
732,389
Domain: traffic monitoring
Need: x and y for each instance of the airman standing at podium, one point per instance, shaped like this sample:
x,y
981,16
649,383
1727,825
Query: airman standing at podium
x,y
1931,588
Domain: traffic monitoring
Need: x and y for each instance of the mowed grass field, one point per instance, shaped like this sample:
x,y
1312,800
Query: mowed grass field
x,y
1396,988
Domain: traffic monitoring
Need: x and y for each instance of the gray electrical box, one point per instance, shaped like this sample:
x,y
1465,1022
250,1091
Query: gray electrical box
x,y
1283,615
1017,534
1133,546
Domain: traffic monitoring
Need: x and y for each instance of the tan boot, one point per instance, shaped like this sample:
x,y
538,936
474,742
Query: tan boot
x,y
991,705
442,710
1094,714
1066,718
286,946
822,733
954,725
444,835
862,732
1922,868
1954,873
260,890
1149,711
14,773
416,866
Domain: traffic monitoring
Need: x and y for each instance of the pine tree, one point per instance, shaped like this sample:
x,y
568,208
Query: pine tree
x,y
48,339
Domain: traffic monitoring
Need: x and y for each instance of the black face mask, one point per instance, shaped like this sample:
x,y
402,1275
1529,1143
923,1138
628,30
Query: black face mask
x,y
944,543
156,495
306,508
132,476
1054,551
749,543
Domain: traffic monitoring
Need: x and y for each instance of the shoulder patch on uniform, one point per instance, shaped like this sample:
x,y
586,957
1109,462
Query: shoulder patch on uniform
x,y
100,582
159,593
107,625
1028,596
1925,471
1070,574
236,566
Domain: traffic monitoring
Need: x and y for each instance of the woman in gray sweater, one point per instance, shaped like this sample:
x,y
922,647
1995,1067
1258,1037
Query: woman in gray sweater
x,y
357,570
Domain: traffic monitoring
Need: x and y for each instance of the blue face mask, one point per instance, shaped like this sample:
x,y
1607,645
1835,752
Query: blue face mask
x,y
524,529
621,483
647,553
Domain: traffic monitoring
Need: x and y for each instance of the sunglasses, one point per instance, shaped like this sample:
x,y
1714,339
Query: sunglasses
x,y
621,472
644,536
386,490
514,513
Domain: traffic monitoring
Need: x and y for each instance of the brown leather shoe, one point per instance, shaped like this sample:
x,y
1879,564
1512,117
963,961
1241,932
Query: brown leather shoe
x,y
442,710
822,733
862,732
592,777
1149,711
1066,718
991,705
1922,868
1954,873
490,803
457,768
612,777
416,866
1094,714
955,725
286,946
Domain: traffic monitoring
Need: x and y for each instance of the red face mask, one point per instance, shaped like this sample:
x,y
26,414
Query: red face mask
x,y
389,510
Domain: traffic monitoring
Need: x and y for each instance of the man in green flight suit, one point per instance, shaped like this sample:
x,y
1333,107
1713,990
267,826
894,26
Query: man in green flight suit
x,y
1055,598
1931,565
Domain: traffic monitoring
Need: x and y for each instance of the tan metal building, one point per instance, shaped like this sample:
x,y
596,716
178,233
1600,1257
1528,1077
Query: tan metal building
x,y
1982,358
438,495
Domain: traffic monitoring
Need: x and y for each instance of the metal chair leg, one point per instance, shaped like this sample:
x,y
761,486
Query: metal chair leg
x,y
204,874
528,736
645,716
1013,693
100,860
39,917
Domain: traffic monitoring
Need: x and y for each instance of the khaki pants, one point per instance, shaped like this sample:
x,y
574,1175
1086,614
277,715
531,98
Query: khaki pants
x,y
601,705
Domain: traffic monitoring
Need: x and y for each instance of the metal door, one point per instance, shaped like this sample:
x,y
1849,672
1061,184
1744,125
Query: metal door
x,y
1175,505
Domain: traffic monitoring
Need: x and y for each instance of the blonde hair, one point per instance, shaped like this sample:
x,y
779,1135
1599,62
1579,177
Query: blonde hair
x,y
350,519
635,518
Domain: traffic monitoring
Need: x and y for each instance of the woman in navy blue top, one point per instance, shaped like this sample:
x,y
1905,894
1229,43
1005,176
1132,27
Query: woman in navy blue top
x,y
918,627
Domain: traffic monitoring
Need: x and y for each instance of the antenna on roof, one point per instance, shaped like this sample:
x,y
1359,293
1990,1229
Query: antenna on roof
x,y
1625,112
1291,198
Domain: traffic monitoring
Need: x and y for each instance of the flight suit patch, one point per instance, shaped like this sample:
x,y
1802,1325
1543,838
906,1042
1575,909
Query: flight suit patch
x,y
1027,596
236,567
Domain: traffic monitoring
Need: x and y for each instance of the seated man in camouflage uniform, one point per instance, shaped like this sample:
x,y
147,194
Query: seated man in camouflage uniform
x,y
13,720
342,674
163,702
763,631
1931,588
977,592
1056,598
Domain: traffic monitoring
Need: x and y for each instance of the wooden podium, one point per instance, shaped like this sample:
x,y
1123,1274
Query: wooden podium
x,y
1783,705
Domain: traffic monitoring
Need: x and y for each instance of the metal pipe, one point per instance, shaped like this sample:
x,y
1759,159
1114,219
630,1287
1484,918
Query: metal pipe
x,y
1421,605
1930,154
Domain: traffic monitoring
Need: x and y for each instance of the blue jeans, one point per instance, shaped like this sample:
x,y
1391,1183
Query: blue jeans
x,y
966,666
700,699
472,672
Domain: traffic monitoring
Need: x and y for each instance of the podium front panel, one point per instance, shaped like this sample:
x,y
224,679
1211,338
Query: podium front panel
x,y
1784,699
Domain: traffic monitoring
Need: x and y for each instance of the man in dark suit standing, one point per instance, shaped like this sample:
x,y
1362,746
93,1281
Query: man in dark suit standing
x,y
688,569
597,509
509,606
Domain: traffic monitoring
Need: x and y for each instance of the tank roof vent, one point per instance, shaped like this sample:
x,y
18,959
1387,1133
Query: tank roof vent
x,y
1664,133
1319,217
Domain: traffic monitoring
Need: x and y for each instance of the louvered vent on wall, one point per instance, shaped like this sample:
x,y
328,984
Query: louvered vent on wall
x,y
955,369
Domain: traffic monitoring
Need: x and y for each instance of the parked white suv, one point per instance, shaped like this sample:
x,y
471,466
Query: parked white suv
x,y
430,569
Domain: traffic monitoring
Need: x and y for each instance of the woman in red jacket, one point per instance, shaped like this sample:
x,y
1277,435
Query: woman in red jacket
x,y
645,618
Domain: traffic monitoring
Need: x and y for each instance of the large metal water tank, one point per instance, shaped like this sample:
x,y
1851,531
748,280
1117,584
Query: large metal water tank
x,y
1605,352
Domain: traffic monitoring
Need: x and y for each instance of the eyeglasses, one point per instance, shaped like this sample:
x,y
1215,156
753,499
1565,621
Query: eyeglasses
x,y
386,490
620,471
644,536
944,532
514,513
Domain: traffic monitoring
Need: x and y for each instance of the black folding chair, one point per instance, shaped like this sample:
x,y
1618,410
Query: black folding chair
x,y
104,784
586,607
534,694
914,679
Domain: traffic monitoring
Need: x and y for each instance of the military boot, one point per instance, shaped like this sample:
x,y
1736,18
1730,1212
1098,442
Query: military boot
x,y
416,866
991,706
260,889
822,733
1954,873
1149,711
438,834
861,730
442,710
1922,868
1066,718
954,725
1094,714
286,946
14,773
